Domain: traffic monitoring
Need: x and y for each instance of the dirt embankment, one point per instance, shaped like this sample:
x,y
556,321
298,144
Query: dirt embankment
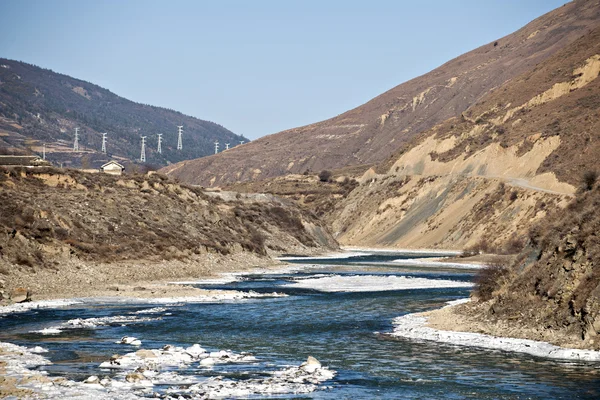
x,y
67,231
551,292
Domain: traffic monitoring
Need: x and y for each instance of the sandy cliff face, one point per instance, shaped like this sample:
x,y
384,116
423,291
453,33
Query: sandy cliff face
x,y
491,173
376,130
551,292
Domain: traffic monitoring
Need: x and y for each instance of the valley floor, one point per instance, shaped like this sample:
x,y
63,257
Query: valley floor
x,y
138,279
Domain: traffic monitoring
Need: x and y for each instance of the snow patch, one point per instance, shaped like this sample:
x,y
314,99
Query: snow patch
x,y
215,298
373,283
33,305
424,262
346,254
404,251
154,310
413,326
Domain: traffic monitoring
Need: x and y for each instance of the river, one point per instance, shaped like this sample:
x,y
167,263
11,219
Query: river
x,y
334,311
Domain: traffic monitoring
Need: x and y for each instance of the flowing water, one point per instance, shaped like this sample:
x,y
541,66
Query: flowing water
x,y
343,330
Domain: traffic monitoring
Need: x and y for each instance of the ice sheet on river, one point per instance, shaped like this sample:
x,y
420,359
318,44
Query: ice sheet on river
x,y
435,262
412,326
138,379
345,254
373,283
33,305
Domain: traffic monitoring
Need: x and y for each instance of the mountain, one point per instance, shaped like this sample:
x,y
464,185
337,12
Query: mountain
x,y
376,130
479,180
483,178
40,106
63,222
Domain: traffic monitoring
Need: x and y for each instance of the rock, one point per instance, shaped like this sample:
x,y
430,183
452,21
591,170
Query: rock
x,y
134,377
145,354
311,365
105,381
130,340
195,350
2,283
207,361
92,379
20,295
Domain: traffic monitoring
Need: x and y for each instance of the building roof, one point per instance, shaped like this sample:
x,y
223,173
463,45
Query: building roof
x,y
112,163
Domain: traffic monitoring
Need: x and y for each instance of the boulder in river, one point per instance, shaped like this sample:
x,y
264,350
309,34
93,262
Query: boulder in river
x,y
20,295
145,354
134,377
310,365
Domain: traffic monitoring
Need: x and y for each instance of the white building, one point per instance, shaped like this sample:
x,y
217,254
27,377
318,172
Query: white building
x,y
113,168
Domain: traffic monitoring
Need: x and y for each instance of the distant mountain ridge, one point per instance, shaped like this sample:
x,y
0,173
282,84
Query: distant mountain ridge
x,y
373,132
41,106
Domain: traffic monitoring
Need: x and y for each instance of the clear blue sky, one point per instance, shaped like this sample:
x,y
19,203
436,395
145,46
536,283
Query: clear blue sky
x,y
255,67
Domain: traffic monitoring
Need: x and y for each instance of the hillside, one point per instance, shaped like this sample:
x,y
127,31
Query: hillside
x,y
55,218
40,106
478,180
551,292
371,133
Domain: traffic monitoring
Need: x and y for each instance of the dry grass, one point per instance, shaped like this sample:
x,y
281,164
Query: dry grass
x,y
99,217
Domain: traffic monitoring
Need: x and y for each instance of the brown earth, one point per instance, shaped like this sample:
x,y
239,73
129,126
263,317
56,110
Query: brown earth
x,y
69,230
373,132
476,181
551,292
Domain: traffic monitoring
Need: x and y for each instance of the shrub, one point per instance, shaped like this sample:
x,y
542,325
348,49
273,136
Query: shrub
x,y
589,179
488,280
324,175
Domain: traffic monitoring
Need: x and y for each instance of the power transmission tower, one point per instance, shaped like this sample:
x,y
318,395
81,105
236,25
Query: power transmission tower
x,y
241,142
104,143
216,147
159,150
44,151
226,146
76,142
143,155
179,143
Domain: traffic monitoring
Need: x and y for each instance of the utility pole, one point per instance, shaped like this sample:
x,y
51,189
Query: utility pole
x,y
216,147
44,151
159,150
143,155
76,142
104,143
179,143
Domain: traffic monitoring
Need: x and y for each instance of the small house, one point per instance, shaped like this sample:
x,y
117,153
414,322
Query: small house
x,y
113,168
22,161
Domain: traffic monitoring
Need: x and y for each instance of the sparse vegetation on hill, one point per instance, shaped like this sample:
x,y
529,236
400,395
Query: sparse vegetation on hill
x,y
46,214
374,131
554,284
40,106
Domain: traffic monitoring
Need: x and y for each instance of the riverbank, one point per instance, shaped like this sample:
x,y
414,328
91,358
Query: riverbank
x,y
448,326
136,279
473,317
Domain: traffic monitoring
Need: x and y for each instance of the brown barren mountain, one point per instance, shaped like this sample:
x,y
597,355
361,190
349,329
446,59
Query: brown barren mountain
x,y
374,131
478,180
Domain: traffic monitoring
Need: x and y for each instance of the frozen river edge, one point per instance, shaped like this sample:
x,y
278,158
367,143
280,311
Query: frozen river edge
x,y
414,327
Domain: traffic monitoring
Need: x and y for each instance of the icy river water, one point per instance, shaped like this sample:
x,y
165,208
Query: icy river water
x,y
334,311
